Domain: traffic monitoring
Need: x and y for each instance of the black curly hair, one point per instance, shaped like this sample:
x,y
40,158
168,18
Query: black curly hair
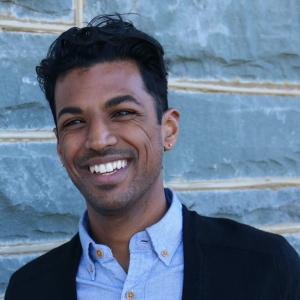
x,y
106,38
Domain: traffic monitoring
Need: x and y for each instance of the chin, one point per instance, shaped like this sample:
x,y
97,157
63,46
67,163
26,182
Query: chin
x,y
107,200
107,207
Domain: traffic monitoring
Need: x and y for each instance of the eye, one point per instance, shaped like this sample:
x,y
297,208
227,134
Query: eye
x,y
73,122
123,113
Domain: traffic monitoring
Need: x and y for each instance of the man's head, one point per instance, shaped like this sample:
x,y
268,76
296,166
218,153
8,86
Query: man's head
x,y
105,39
107,89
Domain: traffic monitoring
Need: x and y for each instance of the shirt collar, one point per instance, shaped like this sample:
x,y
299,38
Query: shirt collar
x,y
166,234
86,244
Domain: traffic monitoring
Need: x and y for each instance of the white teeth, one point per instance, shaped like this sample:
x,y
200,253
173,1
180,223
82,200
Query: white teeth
x,y
108,167
119,164
102,168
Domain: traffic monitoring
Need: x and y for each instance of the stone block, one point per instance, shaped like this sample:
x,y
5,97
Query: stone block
x,y
22,103
257,208
233,136
253,207
50,11
222,136
37,199
218,39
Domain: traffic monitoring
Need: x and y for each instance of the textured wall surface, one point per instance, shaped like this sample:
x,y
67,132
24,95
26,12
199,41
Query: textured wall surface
x,y
235,81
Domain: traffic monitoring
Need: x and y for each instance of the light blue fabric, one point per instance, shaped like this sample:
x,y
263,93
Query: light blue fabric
x,y
156,263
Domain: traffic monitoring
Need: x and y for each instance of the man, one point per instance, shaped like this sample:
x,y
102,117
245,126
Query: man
x,y
107,88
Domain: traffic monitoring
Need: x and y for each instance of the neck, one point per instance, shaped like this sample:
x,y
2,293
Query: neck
x,y
115,231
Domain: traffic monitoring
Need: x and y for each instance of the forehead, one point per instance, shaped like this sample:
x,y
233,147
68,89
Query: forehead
x,y
100,82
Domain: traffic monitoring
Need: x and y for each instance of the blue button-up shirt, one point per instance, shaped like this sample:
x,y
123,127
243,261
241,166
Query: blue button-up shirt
x,y
155,268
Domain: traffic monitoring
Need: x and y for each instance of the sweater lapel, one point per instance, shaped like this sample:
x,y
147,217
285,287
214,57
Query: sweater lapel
x,y
193,258
66,279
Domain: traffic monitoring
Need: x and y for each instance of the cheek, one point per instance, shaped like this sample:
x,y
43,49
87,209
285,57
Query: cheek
x,y
150,141
67,148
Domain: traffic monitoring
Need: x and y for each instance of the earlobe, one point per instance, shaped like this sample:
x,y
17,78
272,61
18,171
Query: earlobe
x,y
170,128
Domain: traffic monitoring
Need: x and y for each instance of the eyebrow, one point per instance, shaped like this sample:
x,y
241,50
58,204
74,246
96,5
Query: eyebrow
x,y
120,99
110,103
69,110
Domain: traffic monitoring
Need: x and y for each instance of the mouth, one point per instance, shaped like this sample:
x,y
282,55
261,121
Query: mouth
x,y
108,168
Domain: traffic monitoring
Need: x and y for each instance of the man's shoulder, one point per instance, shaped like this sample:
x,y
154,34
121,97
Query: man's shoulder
x,y
235,252
49,260
47,267
222,232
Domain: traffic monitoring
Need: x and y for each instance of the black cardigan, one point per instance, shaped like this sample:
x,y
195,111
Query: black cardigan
x,y
222,260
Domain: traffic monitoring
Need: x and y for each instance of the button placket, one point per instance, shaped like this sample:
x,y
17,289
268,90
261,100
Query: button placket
x,y
91,269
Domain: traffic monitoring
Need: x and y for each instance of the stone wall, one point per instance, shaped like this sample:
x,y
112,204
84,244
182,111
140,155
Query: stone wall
x,y
234,74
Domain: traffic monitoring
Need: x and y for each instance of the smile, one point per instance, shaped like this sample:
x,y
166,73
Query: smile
x,y
108,167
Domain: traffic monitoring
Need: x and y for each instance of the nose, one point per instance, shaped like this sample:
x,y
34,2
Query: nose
x,y
100,136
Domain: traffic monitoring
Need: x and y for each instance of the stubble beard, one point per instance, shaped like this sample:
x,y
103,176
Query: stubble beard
x,y
105,202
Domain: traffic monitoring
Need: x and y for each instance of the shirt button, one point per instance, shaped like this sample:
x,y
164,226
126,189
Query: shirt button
x,y
130,295
99,253
164,253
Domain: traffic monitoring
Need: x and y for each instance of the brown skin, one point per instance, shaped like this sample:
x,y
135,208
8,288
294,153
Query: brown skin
x,y
105,114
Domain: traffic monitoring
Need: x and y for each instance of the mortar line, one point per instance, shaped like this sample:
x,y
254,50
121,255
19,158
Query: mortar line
x,y
235,184
35,27
15,136
79,13
236,87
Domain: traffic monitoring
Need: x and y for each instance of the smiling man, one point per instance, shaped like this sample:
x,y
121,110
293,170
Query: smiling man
x,y
111,140
106,85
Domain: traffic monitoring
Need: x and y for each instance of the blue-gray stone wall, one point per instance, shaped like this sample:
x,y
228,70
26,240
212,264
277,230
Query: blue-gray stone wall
x,y
234,71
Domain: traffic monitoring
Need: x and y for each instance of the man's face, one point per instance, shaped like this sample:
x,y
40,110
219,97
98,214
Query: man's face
x,y
109,139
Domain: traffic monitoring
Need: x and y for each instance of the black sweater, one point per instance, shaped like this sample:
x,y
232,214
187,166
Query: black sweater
x,y
223,259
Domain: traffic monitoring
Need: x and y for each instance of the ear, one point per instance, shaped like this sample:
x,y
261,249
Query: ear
x,y
170,128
